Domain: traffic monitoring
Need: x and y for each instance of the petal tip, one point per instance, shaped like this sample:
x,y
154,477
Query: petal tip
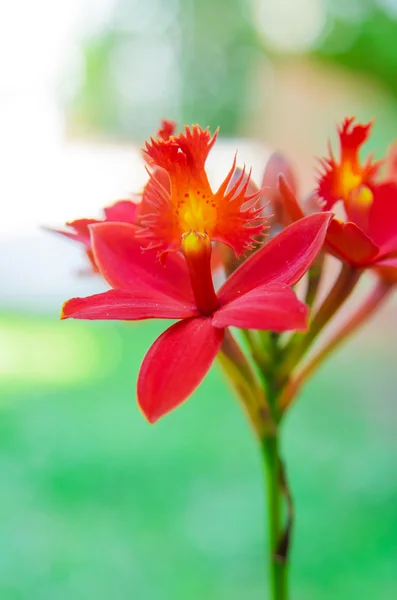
x,y
150,418
63,314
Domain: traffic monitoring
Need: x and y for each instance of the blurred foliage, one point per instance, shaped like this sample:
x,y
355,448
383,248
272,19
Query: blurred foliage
x,y
363,40
183,60
96,503
194,60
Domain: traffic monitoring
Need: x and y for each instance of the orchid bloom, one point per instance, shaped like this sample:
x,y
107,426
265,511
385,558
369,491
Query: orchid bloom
x,y
368,237
180,228
341,178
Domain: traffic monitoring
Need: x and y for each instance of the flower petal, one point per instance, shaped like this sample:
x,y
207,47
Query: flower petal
x,y
382,215
80,231
278,165
273,307
124,265
127,306
285,259
350,243
176,364
123,211
158,175
289,200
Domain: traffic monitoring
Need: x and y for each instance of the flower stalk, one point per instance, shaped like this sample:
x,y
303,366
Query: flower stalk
x,y
244,381
300,343
371,304
278,534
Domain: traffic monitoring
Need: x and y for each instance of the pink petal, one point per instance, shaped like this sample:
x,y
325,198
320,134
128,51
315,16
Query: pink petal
x,y
80,231
285,259
81,226
124,265
127,306
278,167
176,364
123,211
273,307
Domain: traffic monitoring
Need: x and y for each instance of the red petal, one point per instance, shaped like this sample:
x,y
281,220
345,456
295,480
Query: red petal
x,y
350,243
240,177
126,306
285,259
290,202
123,211
272,307
382,216
124,265
167,129
176,364
188,150
158,176
387,269
80,231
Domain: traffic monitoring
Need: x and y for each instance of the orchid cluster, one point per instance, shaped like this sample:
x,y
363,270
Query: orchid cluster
x,y
162,251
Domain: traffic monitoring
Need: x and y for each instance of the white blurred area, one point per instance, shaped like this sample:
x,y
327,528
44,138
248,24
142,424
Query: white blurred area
x,y
47,179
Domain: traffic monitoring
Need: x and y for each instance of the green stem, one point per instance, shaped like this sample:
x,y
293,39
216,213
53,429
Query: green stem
x,y
300,343
370,305
278,534
258,354
245,382
314,279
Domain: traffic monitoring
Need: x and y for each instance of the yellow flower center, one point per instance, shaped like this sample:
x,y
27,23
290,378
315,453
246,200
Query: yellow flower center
x,y
197,212
349,179
361,198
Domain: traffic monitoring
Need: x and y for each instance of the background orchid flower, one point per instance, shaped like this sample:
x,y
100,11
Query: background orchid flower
x,y
367,238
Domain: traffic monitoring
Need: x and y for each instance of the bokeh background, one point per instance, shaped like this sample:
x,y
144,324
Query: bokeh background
x,y
94,502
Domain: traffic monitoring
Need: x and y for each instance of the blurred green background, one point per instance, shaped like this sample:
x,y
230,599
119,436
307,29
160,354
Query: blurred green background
x,y
94,502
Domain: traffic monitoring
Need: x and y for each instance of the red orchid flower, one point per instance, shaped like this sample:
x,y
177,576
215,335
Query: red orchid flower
x,y
342,177
181,225
368,238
